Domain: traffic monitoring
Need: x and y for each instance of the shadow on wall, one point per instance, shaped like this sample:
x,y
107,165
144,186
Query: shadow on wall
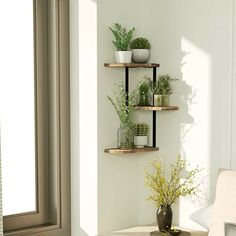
x,y
194,50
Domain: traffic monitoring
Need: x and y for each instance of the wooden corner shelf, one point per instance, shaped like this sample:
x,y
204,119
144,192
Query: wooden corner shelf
x,y
131,65
156,108
126,67
133,150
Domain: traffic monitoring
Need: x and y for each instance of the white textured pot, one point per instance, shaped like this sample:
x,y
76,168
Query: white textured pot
x,y
140,141
141,55
123,56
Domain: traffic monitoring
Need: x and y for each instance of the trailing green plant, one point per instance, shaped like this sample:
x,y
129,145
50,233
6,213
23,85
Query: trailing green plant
x,y
140,129
165,191
140,43
163,85
144,90
124,105
122,36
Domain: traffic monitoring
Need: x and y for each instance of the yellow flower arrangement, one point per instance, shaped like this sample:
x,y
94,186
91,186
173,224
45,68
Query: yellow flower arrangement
x,y
165,191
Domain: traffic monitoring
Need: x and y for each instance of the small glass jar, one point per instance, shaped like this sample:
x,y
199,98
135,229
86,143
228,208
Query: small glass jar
x,y
125,137
161,100
144,92
144,98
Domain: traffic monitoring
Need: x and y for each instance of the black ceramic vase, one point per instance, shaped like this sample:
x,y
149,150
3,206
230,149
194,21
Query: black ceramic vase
x,y
164,218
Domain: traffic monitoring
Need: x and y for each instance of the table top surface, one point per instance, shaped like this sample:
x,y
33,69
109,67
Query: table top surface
x,y
146,230
157,233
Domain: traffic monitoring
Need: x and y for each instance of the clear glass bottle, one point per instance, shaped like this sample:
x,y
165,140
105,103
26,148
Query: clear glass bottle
x,y
144,92
125,137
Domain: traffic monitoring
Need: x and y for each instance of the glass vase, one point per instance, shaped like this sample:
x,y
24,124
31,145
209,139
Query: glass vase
x,y
161,100
125,137
164,218
144,98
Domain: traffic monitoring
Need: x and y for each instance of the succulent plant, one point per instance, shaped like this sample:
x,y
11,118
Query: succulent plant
x,y
140,129
140,43
122,37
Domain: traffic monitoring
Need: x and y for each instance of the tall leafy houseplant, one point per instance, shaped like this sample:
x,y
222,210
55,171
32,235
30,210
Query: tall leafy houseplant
x,y
166,191
162,90
121,42
141,50
124,107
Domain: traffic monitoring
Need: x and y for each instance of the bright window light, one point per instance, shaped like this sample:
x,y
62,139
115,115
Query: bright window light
x,y
17,106
197,74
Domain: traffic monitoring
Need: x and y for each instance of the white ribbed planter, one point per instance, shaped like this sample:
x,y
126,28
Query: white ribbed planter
x,y
140,141
123,56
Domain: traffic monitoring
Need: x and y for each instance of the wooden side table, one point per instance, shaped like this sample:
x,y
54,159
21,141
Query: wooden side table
x,y
147,229
157,233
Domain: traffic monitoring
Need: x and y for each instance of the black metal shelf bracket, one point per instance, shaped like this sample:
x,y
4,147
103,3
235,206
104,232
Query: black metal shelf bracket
x,y
127,84
154,112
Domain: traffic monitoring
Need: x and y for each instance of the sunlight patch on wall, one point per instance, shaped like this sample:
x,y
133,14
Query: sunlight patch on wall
x,y
88,115
17,108
195,135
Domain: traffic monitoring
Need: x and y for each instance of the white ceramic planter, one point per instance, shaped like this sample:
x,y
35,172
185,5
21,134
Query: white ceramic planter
x,y
123,56
140,141
141,55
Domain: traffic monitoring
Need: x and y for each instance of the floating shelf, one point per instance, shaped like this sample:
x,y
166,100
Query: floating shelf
x,y
133,150
156,108
126,67
131,65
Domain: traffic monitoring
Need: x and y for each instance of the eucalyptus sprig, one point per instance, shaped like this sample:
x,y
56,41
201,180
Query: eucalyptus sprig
x,y
123,104
166,191
122,36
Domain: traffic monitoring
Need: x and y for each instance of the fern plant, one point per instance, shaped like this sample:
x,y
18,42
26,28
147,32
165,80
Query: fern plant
x,y
124,105
122,36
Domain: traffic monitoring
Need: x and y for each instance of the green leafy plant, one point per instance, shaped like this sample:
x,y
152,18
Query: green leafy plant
x,y
140,129
140,43
122,36
124,105
163,85
165,191
143,91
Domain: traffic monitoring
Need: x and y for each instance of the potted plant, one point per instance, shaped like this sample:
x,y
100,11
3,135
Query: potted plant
x,y
122,41
140,135
144,92
166,191
162,90
124,106
141,50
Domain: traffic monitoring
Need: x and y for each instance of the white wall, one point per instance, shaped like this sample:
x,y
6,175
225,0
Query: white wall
x,y
192,40
74,83
118,176
84,117
233,105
